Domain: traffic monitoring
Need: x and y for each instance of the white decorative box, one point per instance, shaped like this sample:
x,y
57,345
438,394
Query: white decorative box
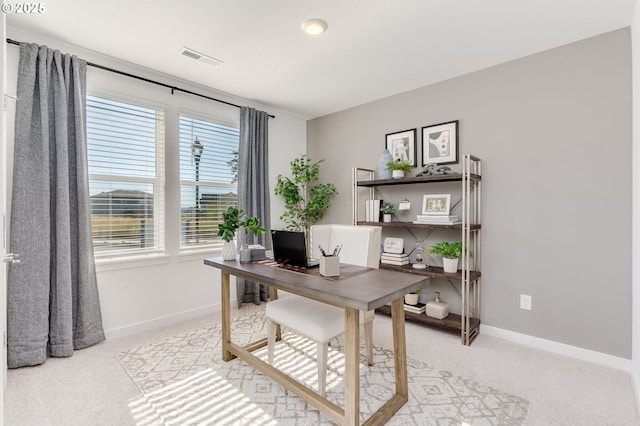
x,y
258,252
330,266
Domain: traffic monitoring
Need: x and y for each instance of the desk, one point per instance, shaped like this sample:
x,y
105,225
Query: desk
x,y
358,288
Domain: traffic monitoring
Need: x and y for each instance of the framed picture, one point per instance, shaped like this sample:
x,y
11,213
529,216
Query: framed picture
x,y
402,146
440,143
436,204
393,245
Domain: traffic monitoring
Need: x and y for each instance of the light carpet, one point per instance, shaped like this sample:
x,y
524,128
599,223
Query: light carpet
x,y
184,381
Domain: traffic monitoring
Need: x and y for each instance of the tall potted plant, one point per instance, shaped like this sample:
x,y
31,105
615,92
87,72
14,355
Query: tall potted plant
x,y
232,220
305,198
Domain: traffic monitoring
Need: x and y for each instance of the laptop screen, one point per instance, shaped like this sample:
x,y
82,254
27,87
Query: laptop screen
x,y
289,248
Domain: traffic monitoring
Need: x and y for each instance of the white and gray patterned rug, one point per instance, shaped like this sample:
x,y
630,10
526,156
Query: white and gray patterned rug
x,y
184,381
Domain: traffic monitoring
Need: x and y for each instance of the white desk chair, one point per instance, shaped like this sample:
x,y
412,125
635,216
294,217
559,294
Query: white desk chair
x,y
319,321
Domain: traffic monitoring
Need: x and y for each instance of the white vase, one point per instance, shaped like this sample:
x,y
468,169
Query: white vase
x,y
450,265
397,174
229,250
386,217
385,158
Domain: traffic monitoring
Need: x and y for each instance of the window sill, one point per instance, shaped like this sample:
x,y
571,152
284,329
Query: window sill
x,y
115,263
191,255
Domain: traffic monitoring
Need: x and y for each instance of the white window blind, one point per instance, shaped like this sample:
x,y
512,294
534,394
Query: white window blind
x,y
126,177
208,179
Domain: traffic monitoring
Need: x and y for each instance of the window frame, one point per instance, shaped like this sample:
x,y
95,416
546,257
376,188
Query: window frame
x,y
217,120
159,250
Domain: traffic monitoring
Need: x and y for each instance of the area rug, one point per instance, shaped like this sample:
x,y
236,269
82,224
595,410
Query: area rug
x,y
183,381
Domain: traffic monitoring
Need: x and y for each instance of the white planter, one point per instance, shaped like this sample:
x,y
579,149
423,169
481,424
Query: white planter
x,y
397,174
229,250
386,217
450,265
411,298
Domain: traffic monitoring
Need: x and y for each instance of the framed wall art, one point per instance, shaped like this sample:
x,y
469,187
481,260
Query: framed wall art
x,y
436,204
402,146
440,143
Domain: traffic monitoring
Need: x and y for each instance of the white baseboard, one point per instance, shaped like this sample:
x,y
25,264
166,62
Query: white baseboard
x,y
560,348
142,326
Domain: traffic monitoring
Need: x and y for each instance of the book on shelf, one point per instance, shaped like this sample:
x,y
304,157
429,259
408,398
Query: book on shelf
x,y
418,308
372,210
436,218
431,222
395,255
395,262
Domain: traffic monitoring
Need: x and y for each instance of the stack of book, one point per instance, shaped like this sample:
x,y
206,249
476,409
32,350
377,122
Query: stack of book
x,y
418,308
372,210
437,220
394,258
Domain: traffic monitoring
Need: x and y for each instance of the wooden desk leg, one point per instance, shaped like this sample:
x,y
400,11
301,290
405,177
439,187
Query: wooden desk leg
x,y
226,317
400,348
352,366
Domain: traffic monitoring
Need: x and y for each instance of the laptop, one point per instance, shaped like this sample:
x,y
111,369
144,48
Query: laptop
x,y
289,248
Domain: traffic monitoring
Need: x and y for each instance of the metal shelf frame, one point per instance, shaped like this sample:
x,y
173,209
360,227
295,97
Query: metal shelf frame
x,y
469,276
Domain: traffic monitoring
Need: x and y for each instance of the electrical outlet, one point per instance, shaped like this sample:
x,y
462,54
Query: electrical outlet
x,y
525,302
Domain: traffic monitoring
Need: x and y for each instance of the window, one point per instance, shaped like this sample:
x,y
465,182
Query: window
x,y
126,177
208,179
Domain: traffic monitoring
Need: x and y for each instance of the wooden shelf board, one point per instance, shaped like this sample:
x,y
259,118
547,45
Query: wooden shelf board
x,y
474,227
456,177
431,271
452,323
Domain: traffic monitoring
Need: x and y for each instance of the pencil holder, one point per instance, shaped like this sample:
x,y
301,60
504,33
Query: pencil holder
x,y
330,266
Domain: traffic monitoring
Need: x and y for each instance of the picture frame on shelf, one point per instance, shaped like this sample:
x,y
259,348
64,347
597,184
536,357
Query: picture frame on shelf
x,y
402,146
393,245
440,143
436,204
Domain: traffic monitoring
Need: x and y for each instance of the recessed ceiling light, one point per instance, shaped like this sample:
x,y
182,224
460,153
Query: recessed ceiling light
x,y
314,26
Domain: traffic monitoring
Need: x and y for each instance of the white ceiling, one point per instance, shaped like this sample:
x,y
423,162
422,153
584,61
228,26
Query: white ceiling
x,y
372,48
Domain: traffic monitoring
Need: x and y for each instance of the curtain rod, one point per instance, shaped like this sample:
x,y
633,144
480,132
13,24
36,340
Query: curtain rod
x,y
137,77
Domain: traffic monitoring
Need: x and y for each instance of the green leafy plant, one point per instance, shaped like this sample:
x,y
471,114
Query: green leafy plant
x,y
234,219
305,198
405,166
387,208
417,291
448,250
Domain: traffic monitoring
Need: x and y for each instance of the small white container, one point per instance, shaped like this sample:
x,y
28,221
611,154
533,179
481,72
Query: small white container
x,y
411,298
330,266
437,308
245,253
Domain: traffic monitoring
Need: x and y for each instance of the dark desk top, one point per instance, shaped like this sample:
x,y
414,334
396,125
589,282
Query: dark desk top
x,y
357,287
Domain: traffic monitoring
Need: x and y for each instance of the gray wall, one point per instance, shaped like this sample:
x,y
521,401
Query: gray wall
x,y
554,132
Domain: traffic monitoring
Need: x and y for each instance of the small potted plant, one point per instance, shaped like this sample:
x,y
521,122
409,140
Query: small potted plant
x,y
387,210
450,253
412,298
234,219
398,168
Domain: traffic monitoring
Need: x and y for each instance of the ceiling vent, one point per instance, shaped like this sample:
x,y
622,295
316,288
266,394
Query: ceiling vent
x,y
190,53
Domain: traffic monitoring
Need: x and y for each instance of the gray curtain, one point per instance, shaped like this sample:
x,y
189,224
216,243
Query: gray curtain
x,y
253,190
52,294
